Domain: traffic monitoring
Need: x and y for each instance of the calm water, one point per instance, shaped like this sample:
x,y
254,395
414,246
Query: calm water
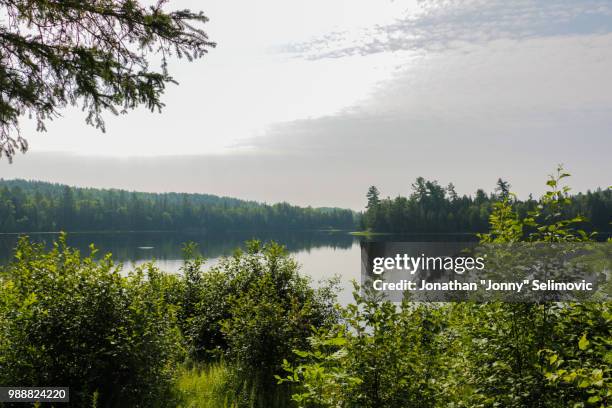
x,y
320,254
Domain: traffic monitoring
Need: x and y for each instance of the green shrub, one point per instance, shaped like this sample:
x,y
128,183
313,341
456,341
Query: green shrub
x,y
253,308
495,354
203,305
273,311
382,355
69,320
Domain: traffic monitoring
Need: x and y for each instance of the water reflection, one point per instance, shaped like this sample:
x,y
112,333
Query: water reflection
x,y
165,246
321,255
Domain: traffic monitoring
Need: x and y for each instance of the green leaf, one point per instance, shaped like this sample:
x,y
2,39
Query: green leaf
x,y
593,399
583,343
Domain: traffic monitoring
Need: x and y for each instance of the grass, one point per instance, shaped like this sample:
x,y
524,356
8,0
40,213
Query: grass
x,y
213,385
205,386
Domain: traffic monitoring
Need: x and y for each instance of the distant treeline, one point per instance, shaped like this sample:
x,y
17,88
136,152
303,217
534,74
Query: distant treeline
x,y
27,206
434,208
39,206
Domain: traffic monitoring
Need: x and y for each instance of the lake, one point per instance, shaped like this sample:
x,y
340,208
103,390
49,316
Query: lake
x,y
320,254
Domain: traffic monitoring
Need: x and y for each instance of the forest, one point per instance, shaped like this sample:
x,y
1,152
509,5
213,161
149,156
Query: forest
x,y
434,208
27,206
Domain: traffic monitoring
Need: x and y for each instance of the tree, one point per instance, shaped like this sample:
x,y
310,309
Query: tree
x,y
373,196
452,193
503,188
38,206
91,53
420,188
468,354
68,208
433,208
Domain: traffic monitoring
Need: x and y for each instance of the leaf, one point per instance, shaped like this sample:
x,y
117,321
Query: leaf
x,y
583,343
597,374
336,341
593,399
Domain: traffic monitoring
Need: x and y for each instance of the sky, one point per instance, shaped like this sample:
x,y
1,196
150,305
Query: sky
x,y
312,102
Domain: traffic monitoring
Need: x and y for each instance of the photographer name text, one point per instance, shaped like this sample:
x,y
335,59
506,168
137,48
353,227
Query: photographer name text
x,y
487,285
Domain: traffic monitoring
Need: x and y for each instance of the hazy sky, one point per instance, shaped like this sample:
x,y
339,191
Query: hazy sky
x,y
312,102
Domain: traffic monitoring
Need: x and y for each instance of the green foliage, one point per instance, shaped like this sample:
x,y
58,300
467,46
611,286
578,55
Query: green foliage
x,y
433,208
272,311
117,339
324,379
578,364
66,319
550,219
205,387
252,309
38,206
505,225
94,53
380,356
523,343
503,188
465,354
203,305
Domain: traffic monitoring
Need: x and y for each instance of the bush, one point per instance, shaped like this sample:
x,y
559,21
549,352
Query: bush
x,y
515,355
69,320
381,355
253,308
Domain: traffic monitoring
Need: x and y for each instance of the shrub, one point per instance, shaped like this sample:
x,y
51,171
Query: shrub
x,y
70,320
515,355
382,355
253,308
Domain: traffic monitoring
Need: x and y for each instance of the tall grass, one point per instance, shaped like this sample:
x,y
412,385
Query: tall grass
x,y
206,386
217,385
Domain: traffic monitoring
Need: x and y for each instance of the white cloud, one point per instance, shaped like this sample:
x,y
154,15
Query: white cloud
x,y
435,25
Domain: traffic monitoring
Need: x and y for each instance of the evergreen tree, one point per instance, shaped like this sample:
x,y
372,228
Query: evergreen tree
x,y
373,197
503,188
94,53
450,190
432,208
36,206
